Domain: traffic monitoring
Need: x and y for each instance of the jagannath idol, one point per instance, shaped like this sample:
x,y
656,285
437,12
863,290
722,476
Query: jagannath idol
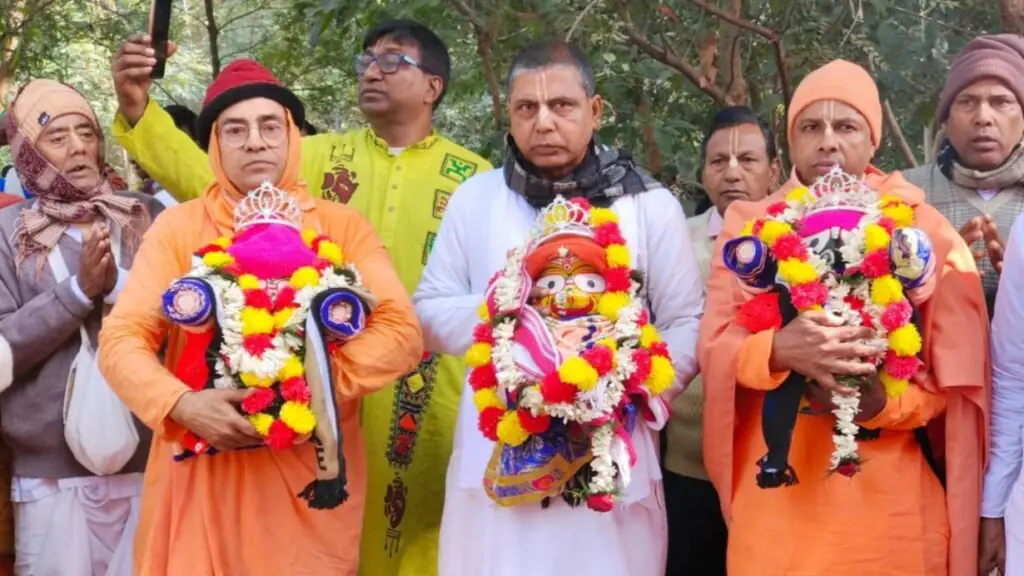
x,y
262,310
565,362
837,247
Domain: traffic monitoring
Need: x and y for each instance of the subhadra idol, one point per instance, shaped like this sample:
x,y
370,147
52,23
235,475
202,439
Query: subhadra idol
x,y
838,247
565,363
261,311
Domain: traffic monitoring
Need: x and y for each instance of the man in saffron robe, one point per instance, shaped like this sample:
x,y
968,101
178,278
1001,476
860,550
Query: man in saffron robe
x,y
899,516
235,512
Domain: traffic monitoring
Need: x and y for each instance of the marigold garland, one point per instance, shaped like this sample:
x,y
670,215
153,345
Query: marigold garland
x,y
874,292
640,361
268,358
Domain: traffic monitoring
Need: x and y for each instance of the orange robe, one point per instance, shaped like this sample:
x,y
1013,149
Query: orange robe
x,y
893,518
236,513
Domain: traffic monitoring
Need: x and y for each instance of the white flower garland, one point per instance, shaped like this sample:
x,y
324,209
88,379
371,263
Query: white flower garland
x,y
234,358
589,406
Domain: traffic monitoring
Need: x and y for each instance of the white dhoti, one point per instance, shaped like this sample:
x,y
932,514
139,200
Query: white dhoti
x,y
75,526
479,538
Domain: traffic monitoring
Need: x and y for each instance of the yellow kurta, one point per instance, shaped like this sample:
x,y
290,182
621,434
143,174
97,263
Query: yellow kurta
x,y
408,426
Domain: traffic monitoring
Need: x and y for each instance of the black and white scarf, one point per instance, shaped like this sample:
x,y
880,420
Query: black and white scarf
x,y
604,175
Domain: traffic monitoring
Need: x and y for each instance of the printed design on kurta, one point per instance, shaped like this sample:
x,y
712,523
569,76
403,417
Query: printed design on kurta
x,y
441,202
456,169
428,245
412,396
339,184
394,509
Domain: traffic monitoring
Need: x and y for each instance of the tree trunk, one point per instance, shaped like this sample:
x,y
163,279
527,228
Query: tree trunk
x,y
1011,13
214,33
9,43
655,160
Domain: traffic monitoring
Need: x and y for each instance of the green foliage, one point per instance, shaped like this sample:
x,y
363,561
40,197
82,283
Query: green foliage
x,y
652,108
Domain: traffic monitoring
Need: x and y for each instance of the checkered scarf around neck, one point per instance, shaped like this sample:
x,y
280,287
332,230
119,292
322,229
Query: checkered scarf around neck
x,y
59,203
605,175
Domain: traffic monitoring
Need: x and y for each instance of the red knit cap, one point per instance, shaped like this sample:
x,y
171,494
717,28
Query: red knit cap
x,y
244,79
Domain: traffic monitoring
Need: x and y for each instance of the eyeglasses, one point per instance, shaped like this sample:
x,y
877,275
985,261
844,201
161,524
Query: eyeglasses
x,y
235,135
388,62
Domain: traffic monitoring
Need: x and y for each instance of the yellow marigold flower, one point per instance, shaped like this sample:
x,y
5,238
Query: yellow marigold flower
x,y
886,290
893,387
329,251
579,373
905,340
224,242
511,431
486,398
618,255
662,375
772,230
901,214
281,317
611,303
478,355
875,238
248,282
305,276
608,343
298,417
261,422
649,335
600,216
795,272
308,235
293,368
251,380
256,321
483,313
800,195
218,259
748,229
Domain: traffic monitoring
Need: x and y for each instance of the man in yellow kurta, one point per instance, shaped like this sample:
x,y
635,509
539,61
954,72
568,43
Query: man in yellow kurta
x,y
236,512
399,174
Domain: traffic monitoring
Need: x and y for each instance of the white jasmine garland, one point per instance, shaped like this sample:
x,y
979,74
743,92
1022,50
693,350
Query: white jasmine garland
x,y
596,404
234,359
845,438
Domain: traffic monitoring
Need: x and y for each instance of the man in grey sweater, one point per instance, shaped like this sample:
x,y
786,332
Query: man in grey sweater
x,y
978,181
68,521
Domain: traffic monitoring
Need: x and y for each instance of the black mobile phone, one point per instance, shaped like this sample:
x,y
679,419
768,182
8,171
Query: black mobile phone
x,y
159,32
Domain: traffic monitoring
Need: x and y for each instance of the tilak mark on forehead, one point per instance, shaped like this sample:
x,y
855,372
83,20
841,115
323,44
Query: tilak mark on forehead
x,y
734,146
830,115
542,95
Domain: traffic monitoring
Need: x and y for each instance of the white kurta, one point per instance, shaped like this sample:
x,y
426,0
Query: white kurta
x,y
1004,485
483,221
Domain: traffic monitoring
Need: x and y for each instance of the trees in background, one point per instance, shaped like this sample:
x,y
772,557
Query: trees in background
x,y
664,67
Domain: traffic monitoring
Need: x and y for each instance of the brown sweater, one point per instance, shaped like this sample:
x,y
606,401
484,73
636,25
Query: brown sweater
x,y
39,320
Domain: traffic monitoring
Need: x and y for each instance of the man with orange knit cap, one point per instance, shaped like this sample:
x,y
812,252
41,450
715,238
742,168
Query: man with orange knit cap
x,y
911,509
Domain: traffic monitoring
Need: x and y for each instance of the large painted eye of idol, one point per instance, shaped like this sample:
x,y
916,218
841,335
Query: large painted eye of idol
x,y
567,287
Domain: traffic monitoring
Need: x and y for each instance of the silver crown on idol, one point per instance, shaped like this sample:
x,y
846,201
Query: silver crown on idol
x,y
267,205
561,217
837,189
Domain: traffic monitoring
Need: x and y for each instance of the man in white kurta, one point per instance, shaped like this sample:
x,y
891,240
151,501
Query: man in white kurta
x,y
554,112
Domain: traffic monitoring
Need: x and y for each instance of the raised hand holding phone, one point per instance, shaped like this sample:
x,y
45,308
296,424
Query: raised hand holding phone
x,y
132,70
159,34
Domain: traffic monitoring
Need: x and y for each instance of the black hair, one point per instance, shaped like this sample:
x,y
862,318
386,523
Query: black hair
x,y
184,118
548,53
310,130
728,118
738,116
434,57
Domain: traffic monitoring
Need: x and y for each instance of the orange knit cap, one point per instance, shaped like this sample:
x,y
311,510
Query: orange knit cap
x,y
844,82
